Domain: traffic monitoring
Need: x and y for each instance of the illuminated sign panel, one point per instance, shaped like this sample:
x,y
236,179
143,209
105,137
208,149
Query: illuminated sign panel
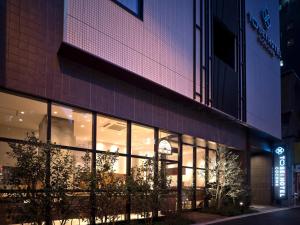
x,y
165,147
280,173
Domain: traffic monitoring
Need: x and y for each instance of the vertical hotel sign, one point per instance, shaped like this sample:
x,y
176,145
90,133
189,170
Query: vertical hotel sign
x,y
280,173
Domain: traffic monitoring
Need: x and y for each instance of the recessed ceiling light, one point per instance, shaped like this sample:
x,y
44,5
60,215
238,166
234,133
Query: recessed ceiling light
x,y
22,112
70,116
20,120
55,112
82,126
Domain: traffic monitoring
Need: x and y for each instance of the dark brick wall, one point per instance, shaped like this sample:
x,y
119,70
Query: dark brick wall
x,y
34,35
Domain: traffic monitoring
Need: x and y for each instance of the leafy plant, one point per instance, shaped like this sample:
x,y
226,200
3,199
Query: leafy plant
x,y
28,179
147,188
32,200
110,189
226,179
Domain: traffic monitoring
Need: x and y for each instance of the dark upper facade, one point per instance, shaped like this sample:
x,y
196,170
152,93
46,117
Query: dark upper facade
x,y
290,33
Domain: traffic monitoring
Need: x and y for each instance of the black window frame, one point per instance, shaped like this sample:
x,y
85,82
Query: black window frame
x,y
139,14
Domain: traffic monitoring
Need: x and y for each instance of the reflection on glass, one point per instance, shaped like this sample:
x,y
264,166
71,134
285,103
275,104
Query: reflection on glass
x,y
19,116
133,5
200,158
142,141
200,178
111,134
172,139
187,155
71,127
187,177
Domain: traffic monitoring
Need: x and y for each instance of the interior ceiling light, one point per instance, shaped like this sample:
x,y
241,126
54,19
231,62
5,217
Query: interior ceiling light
x,y
82,126
20,120
55,112
22,112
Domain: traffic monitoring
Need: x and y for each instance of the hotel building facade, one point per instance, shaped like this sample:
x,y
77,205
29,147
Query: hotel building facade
x,y
123,75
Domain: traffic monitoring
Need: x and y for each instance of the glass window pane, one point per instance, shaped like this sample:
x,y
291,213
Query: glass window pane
x,y
187,178
118,167
111,134
200,178
187,155
7,165
200,158
19,116
71,127
168,203
187,198
200,196
187,139
212,157
133,5
142,141
172,139
200,142
137,162
171,170
81,167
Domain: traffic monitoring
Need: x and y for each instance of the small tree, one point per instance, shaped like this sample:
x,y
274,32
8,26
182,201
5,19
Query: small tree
x,y
60,183
83,181
226,178
28,179
147,188
31,194
110,189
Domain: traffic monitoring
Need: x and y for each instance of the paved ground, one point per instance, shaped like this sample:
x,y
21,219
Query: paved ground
x,y
202,217
284,217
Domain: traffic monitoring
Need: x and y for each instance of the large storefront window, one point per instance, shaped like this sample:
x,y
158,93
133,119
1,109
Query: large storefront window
x,y
71,127
21,116
142,141
111,134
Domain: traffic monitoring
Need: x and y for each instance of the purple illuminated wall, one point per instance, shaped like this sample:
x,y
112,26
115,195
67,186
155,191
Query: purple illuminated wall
x,y
158,48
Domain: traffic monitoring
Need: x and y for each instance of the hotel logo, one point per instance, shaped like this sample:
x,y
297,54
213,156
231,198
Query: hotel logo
x,y
266,19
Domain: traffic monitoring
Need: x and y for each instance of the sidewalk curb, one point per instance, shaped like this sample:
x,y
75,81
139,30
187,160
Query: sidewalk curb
x,y
246,215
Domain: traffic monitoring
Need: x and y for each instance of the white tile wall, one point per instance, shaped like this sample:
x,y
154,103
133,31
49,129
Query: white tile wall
x,y
159,47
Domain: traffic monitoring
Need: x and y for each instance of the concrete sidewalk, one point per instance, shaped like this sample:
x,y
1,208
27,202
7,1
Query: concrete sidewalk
x,y
205,218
